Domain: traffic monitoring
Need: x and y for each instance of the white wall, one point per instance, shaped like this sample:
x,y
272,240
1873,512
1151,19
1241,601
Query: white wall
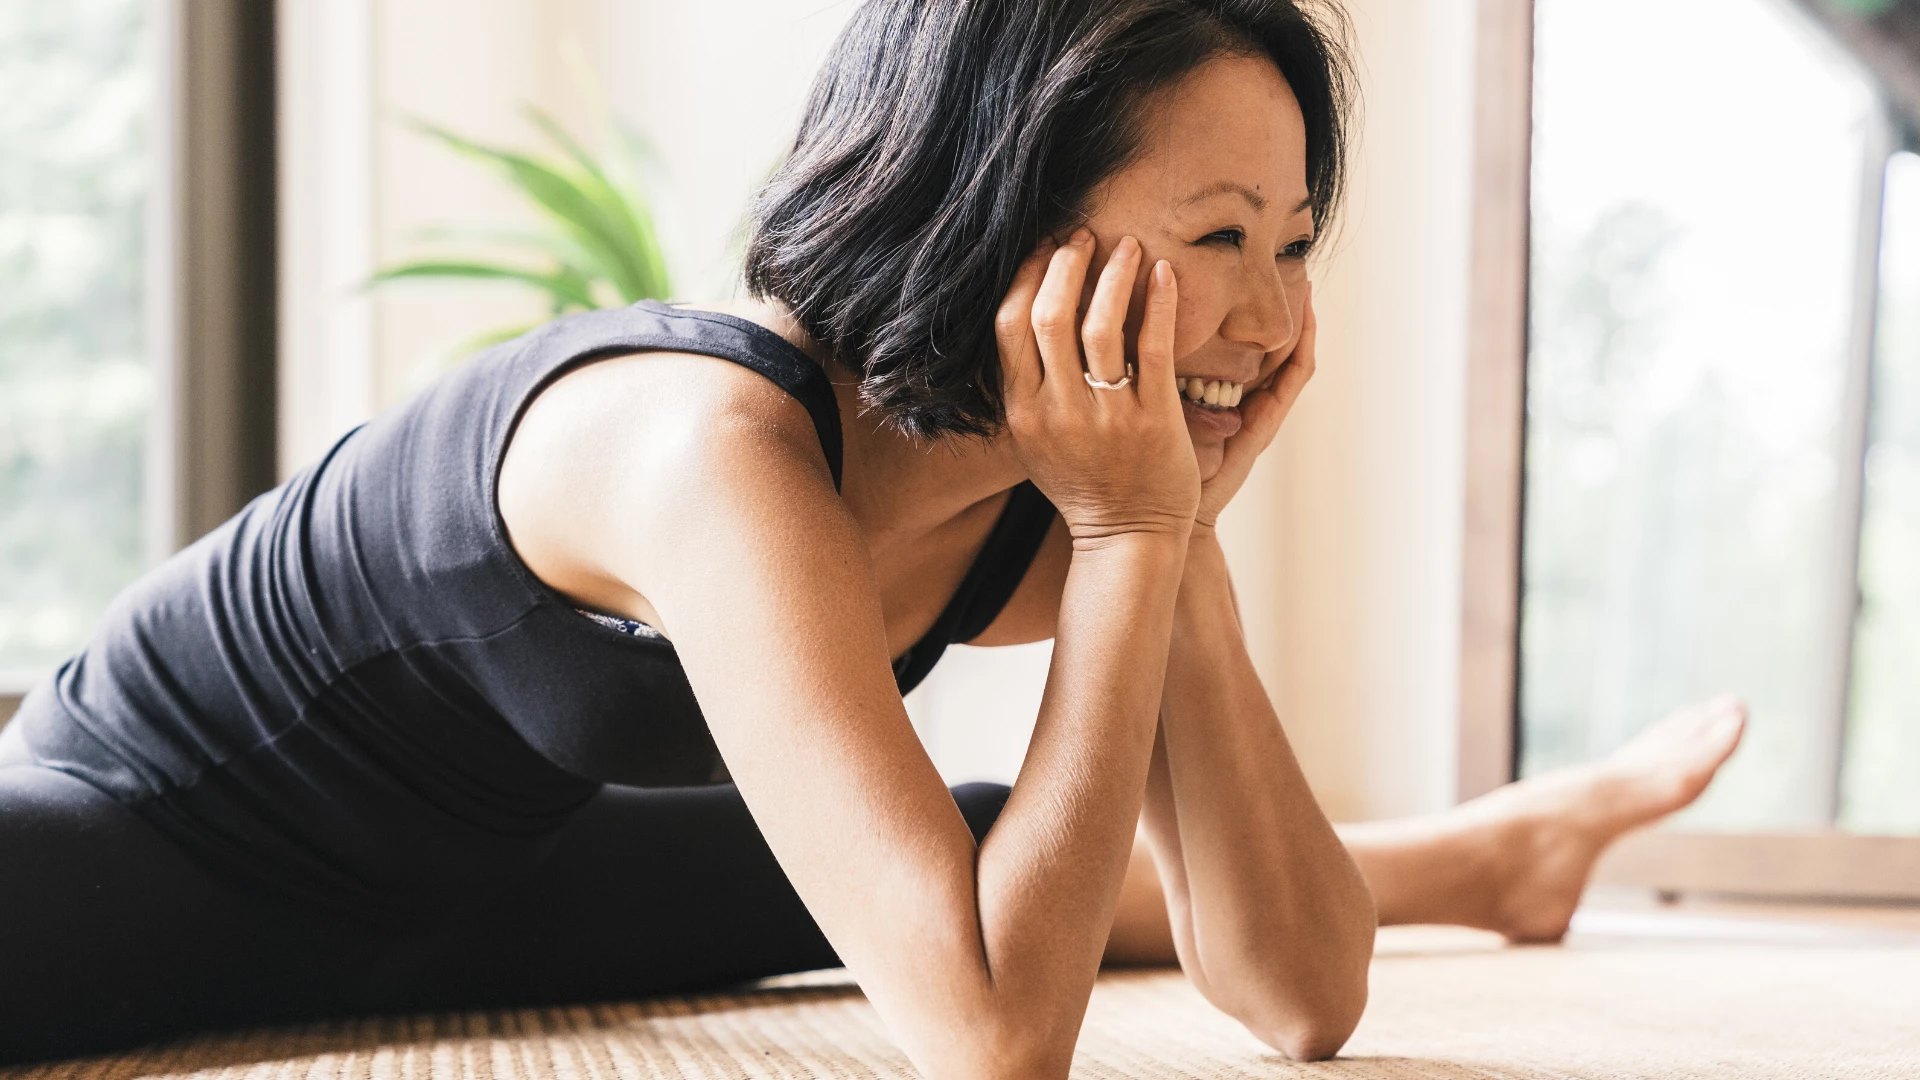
x,y
1351,540
359,184
1346,543
716,86
326,371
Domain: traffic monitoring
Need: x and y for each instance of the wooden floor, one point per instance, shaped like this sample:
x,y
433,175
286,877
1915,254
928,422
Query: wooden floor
x,y
1699,990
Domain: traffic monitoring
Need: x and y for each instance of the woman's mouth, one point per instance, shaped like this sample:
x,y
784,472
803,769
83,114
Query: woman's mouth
x,y
1211,404
1216,393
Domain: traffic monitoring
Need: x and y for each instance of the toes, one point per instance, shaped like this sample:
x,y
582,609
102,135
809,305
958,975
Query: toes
x,y
1719,725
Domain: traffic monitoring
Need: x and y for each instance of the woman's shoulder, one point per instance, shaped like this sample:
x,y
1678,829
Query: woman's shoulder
x,y
660,415
634,456
758,391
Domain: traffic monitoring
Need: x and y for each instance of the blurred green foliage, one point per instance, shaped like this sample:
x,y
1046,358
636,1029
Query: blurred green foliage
x,y
1861,7
597,246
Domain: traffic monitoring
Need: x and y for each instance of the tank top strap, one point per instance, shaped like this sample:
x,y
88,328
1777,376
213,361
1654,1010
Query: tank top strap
x,y
990,582
759,349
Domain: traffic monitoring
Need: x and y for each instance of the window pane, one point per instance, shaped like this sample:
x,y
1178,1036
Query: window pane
x,y
1696,196
1881,784
75,384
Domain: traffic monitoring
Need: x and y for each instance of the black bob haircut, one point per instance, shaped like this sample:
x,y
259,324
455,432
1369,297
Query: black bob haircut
x,y
944,138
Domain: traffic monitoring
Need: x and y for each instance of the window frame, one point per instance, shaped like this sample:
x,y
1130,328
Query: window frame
x,y
224,339
1821,863
1500,268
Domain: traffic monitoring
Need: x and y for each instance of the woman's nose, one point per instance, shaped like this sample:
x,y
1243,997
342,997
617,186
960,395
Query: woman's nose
x,y
1267,312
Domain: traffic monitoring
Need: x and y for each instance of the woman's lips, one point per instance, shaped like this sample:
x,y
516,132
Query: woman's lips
x,y
1211,419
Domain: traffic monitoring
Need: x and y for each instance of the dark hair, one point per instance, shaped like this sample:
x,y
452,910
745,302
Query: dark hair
x,y
944,138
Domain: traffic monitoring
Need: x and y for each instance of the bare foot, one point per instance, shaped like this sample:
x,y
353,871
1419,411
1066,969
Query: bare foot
x,y
1542,835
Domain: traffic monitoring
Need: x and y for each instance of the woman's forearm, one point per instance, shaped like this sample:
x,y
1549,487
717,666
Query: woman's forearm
x,y
1050,870
1270,916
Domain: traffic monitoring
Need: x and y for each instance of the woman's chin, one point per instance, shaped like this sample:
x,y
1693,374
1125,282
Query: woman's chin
x,y
1209,454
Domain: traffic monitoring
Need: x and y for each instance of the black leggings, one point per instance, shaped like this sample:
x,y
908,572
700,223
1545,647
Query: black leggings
x,y
110,935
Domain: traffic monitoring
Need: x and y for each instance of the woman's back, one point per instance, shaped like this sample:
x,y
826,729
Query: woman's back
x,y
356,689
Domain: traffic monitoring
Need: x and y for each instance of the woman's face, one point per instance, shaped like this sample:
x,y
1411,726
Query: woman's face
x,y
1219,190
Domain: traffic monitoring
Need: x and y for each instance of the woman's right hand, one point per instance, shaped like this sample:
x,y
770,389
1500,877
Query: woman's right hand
x,y
1112,461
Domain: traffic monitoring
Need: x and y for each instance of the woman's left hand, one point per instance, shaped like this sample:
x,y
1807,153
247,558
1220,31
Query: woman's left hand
x,y
1261,413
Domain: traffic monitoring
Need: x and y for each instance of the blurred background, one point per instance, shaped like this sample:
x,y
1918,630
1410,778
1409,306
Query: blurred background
x,y
1619,402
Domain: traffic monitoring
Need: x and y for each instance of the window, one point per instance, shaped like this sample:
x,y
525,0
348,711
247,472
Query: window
x,y
1717,280
137,299
77,362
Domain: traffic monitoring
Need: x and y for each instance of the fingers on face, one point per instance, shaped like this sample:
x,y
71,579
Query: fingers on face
x,y
1268,406
1299,366
1056,308
1013,325
1303,349
1156,327
1104,333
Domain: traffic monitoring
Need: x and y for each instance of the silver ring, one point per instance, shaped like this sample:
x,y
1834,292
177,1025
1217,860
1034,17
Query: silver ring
x,y
1125,381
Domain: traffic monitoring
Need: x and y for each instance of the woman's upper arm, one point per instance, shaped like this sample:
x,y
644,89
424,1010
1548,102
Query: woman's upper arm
x,y
763,580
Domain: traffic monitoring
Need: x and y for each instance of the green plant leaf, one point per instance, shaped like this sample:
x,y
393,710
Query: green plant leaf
x,y
600,229
600,248
568,289
625,209
550,244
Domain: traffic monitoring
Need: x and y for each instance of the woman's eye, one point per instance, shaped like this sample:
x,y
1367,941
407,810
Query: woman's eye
x,y
1297,250
1230,237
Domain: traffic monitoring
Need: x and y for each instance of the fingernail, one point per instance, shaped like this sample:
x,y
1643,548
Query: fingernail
x,y
1082,237
1127,248
1163,273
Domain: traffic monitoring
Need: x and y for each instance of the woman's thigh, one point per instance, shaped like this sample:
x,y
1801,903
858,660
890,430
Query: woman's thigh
x,y
648,891
110,935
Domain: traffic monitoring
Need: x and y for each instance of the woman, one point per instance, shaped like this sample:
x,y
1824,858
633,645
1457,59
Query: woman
x,y
444,721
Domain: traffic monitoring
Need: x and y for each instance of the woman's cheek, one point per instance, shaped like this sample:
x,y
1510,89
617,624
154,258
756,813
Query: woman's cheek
x,y
1199,314
1197,319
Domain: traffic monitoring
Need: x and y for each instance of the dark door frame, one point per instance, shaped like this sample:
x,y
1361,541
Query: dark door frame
x,y
218,442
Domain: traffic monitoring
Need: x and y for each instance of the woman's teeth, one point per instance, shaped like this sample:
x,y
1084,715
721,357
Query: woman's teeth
x,y
1215,392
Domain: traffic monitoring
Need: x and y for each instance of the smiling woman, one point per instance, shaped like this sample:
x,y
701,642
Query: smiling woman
x,y
455,680
580,674
1217,187
941,212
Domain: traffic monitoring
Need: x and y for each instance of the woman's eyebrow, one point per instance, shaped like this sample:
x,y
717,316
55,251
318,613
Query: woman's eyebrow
x,y
1234,187
1227,187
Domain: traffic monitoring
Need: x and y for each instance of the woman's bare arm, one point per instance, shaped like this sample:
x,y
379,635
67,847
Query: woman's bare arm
x,y
1270,916
981,959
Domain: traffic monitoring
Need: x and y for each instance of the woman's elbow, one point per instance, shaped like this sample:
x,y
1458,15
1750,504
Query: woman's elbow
x,y
1023,1046
1306,1022
1306,1039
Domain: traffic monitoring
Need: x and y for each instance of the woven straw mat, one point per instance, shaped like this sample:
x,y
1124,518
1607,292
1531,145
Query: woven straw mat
x,y
1461,1010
